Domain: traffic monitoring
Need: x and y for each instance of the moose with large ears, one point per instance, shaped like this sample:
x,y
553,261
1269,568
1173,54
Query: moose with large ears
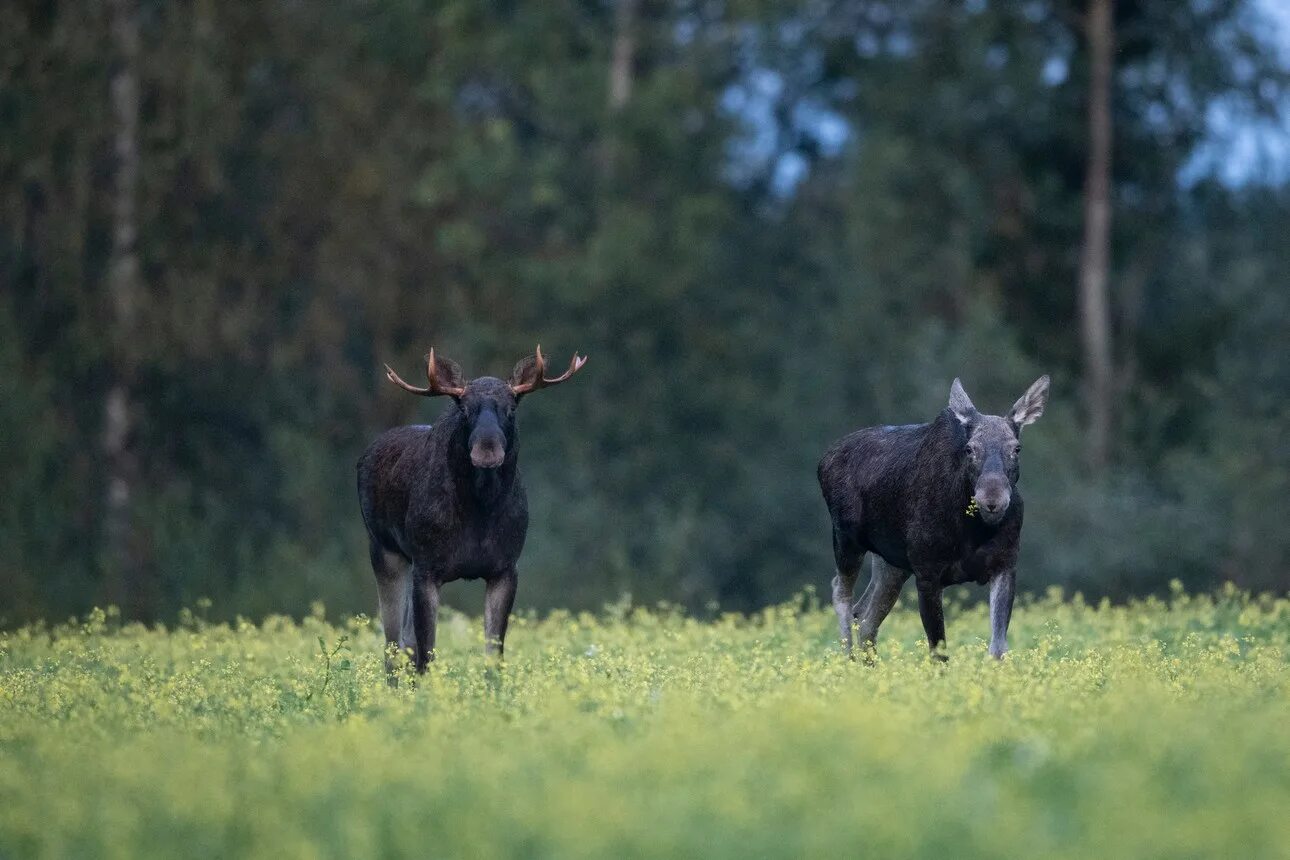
x,y
938,501
445,501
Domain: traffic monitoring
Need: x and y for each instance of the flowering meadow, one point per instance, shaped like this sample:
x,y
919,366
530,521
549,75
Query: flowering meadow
x,y
1155,729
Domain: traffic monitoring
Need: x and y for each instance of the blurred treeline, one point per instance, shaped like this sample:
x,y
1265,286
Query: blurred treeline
x,y
767,223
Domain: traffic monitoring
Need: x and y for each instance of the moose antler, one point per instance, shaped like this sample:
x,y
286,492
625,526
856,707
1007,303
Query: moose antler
x,y
435,388
539,373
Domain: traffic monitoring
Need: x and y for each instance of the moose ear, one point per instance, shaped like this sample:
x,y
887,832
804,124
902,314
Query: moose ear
x,y
961,404
443,375
526,372
447,372
1031,405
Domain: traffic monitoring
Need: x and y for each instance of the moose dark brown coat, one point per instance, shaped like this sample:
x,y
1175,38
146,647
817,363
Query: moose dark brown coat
x,y
445,501
938,501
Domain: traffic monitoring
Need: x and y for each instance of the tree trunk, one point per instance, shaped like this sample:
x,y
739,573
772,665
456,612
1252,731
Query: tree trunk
x,y
622,57
624,54
120,412
1094,307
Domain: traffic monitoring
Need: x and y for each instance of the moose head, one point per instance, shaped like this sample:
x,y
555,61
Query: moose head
x,y
993,446
487,403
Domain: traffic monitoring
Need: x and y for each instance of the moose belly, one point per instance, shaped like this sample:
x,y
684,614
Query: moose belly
x,y
970,569
891,549
477,559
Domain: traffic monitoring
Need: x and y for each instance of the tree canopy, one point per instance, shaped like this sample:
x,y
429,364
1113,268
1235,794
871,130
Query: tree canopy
x,y
767,224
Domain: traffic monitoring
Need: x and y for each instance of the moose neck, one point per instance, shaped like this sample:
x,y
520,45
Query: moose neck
x,y
951,439
476,486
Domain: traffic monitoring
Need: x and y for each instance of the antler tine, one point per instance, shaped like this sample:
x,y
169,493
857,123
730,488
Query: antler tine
x,y
431,374
541,364
397,380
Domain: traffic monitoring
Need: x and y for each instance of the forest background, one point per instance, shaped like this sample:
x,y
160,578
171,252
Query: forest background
x,y
767,223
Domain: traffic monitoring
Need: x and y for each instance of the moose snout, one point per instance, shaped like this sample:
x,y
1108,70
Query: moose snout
x,y
487,441
992,500
993,507
488,453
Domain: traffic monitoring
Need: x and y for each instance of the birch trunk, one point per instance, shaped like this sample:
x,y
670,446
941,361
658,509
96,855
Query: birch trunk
x,y
120,412
1094,306
623,54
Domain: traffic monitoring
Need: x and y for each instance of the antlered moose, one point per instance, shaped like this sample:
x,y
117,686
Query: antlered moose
x,y
445,501
938,501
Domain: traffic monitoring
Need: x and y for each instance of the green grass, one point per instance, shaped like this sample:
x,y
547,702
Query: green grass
x,y
1160,729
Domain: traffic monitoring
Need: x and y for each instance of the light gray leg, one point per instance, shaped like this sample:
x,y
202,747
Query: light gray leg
x,y
857,608
882,593
843,589
848,556
408,634
1002,589
393,590
393,596
499,597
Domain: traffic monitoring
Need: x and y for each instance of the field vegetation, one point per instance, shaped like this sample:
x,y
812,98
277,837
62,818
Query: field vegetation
x,y
1152,729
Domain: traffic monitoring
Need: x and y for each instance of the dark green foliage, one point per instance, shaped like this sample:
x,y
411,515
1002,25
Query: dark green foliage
x,y
328,186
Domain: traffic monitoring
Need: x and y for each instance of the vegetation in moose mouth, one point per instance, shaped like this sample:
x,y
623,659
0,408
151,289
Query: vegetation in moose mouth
x,y
1153,729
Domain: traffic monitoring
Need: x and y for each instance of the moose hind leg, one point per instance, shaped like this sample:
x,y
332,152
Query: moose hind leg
x,y
880,597
848,558
843,587
499,597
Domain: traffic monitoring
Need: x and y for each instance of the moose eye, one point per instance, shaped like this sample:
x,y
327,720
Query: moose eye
x,y
1016,449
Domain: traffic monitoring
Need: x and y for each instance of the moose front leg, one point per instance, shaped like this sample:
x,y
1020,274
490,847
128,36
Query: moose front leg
x,y
499,597
1002,588
395,594
932,612
425,616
